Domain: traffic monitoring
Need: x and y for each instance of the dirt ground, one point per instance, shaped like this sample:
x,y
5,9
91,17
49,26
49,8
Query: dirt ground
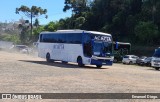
x,y
21,73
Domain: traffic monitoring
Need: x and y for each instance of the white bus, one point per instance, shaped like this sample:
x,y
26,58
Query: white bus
x,y
79,46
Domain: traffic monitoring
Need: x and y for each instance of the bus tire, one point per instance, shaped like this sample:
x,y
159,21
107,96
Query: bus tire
x,y
80,61
130,62
99,66
48,59
157,68
149,64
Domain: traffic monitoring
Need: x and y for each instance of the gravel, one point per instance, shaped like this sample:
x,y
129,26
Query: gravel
x,y
21,73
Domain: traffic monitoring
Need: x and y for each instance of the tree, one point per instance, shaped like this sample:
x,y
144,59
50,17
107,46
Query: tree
x,y
77,6
79,22
52,26
127,20
24,35
36,23
32,12
146,32
64,23
36,32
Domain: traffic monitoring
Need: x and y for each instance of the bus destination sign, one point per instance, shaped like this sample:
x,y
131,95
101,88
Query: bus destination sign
x,y
103,38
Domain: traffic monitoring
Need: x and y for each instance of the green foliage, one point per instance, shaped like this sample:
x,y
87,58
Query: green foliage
x,y
135,21
13,38
24,35
77,6
79,22
146,32
64,23
36,23
37,30
52,26
126,20
31,12
36,33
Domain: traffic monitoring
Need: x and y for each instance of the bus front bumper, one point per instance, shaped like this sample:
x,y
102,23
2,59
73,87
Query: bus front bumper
x,y
102,61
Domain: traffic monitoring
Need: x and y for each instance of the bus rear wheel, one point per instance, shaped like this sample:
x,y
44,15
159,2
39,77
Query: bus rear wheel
x,y
130,62
48,59
80,62
149,64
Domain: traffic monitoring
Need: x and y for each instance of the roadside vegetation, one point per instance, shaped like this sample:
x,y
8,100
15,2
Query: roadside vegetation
x,y
134,21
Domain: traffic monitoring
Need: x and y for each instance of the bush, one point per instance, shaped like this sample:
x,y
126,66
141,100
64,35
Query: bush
x,y
13,38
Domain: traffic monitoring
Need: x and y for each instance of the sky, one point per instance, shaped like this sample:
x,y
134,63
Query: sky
x,y
54,10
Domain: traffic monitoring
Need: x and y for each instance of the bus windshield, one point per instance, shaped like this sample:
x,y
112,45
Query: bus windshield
x,y
102,48
97,45
108,47
157,53
97,48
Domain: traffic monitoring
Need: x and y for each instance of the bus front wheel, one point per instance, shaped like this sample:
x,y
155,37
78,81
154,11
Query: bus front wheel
x,y
157,68
80,62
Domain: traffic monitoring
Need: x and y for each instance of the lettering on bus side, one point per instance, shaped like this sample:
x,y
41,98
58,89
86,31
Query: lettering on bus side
x,y
102,38
58,46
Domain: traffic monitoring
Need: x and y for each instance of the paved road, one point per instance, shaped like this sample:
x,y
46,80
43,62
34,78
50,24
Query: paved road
x,y
29,74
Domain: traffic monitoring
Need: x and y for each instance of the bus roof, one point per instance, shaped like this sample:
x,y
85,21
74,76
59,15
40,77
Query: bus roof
x,y
77,31
100,33
123,43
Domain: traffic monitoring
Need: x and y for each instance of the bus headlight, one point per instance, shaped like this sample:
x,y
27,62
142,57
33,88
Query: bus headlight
x,y
94,57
